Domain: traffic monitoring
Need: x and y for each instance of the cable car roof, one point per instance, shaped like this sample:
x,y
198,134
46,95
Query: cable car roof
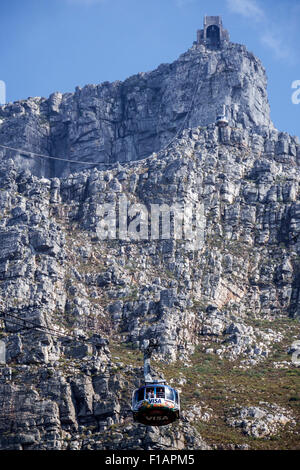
x,y
155,384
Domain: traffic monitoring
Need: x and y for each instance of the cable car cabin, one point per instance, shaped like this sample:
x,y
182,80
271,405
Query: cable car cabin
x,y
222,121
155,405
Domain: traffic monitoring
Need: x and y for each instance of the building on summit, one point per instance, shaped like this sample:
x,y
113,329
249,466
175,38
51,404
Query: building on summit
x,y
213,34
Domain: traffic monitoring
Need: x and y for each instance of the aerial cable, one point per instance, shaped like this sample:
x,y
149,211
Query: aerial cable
x,y
34,326
52,158
40,328
182,127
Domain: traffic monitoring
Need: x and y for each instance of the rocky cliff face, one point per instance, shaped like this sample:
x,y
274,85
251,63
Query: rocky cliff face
x,y
75,308
126,121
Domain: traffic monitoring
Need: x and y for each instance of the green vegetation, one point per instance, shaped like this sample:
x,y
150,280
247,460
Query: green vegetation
x,y
221,385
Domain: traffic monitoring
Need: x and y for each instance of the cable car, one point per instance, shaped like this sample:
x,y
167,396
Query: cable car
x,y
154,404
222,120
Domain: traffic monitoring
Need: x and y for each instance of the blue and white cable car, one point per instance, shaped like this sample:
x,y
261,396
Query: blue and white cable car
x,y
222,120
154,404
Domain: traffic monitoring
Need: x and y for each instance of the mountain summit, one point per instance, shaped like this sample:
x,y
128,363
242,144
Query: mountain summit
x,y
126,121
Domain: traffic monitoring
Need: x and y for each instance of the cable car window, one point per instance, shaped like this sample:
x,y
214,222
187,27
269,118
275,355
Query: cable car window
x,y
160,392
176,396
169,394
150,393
140,394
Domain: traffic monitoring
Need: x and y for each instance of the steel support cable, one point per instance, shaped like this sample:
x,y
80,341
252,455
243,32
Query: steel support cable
x,y
34,154
36,327
187,115
50,157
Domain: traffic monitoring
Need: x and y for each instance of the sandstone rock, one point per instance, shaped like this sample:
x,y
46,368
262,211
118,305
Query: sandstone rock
x,y
261,422
67,296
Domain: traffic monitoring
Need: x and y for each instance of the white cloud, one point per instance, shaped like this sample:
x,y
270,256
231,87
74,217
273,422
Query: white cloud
x,y
246,8
272,29
276,44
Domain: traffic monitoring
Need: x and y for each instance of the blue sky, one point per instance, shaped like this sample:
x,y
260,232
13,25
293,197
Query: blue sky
x,y
55,45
